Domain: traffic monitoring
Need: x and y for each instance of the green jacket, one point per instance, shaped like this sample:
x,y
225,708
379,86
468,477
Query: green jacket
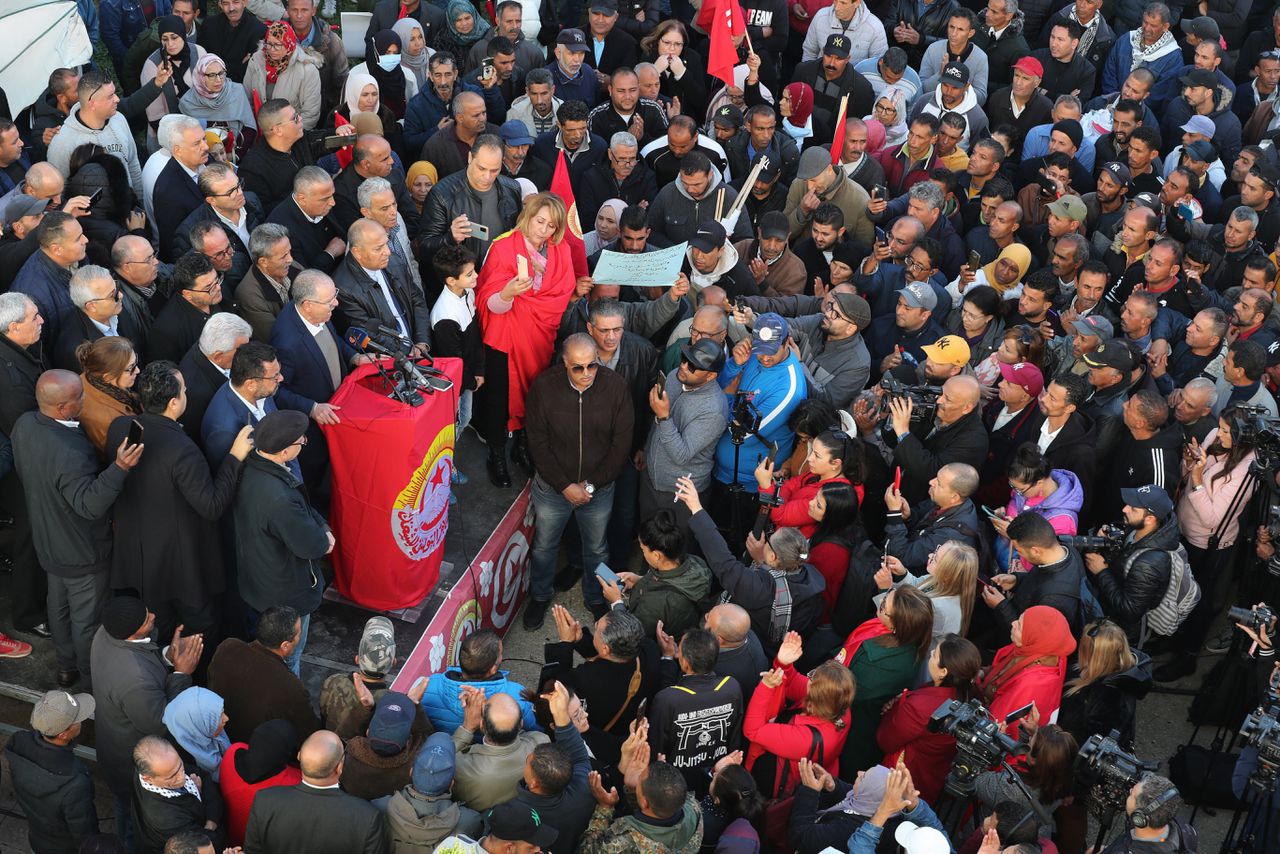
x,y
630,835
879,672
674,597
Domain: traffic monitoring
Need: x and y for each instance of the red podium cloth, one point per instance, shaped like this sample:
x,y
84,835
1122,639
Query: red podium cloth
x,y
392,468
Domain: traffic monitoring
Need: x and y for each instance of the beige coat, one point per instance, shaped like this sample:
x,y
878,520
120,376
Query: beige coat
x,y
486,774
299,84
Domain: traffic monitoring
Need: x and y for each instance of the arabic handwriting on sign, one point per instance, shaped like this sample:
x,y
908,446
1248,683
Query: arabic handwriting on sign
x,y
658,269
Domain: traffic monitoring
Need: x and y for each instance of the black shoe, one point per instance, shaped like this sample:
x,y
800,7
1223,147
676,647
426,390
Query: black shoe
x,y
1175,669
520,454
67,678
534,614
499,475
598,609
40,630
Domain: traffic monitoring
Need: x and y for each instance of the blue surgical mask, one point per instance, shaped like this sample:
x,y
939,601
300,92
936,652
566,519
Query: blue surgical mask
x,y
390,62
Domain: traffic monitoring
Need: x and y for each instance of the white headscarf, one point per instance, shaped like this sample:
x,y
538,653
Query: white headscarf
x,y
355,85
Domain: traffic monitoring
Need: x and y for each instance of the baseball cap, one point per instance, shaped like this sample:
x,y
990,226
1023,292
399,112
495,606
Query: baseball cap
x,y
1024,375
391,723
955,74
854,307
1119,171
706,355
1147,200
434,765
769,334
1201,151
279,430
516,822
1150,497
57,710
774,224
812,162
1029,65
772,169
1095,325
1203,28
20,205
915,839
948,350
1071,207
377,647
572,39
604,7
1202,125
1110,354
1199,77
709,236
837,45
919,295
515,132
727,116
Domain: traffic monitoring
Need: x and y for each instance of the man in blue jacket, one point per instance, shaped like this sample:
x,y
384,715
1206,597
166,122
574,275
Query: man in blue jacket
x,y
434,103
574,79
478,660
1151,46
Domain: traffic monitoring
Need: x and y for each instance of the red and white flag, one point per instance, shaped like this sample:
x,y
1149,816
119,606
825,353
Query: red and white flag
x,y
727,24
573,229
837,141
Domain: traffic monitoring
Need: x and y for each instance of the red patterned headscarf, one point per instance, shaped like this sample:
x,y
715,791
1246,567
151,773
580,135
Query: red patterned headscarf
x,y
282,31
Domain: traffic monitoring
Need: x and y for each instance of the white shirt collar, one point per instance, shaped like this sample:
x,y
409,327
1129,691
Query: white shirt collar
x,y
257,409
315,328
236,224
105,328
193,174
311,219
314,786
74,425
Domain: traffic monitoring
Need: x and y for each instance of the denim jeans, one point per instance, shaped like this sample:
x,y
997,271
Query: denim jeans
x,y
464,412
294,659
551,512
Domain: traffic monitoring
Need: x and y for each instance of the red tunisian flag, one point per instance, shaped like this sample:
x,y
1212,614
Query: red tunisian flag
x,y
573,231
837,141
727,24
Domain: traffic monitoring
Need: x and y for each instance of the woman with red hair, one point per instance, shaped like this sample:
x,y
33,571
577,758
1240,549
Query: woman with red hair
x,y
526,282
1033,667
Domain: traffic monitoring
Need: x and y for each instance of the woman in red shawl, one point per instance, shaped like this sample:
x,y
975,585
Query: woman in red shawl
x,y
1033,667
525,284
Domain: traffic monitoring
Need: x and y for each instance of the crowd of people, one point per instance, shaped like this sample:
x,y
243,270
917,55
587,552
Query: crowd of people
x,y
962,281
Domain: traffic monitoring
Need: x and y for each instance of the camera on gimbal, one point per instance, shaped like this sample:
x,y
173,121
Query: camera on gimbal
x,y
924,398
1261,730
1255,426
1110,543
744,418
1110,770
980,743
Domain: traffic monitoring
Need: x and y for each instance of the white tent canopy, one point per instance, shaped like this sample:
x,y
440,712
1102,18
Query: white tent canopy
x,y
37,36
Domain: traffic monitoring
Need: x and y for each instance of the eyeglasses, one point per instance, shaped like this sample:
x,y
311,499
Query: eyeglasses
x,y
832,310
301,443
237,188
696,334
886,108
912,264
150,259
276,377
114,296
133,368
272,45
624,161
669,43
584,369
217,283
225,252
215,75
1021,490
330,301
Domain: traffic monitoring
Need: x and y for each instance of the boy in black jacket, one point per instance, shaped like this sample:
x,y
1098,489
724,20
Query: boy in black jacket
x,y
455,329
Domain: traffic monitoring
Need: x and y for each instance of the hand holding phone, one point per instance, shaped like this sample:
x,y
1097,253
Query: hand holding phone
x,y
662,383
608,576
897,479
135,433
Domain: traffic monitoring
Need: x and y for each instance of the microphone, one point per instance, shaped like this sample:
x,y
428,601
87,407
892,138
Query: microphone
x,y
362,341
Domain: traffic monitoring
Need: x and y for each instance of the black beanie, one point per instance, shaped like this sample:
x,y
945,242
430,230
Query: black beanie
x,y
1072,129
123,616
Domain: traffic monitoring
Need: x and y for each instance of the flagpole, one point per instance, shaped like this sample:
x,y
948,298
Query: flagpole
x,y
750,49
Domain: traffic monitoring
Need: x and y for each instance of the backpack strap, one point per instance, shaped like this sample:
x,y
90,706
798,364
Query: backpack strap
x,y
633,688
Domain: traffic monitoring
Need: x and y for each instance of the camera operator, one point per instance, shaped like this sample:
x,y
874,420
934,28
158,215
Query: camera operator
x,y
1152,812
1054,579
1142,571
1248,765
955,435
914,533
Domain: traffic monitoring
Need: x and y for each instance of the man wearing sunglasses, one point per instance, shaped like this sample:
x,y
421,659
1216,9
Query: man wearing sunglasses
x,y
99,303
225,205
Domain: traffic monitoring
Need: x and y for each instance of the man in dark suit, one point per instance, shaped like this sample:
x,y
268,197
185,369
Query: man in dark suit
x,y
226,205
314,360
207,365
315,816
197,290
314,236
609,47
371,158
262,293
99,313
372,295
167,801
176,193
246,399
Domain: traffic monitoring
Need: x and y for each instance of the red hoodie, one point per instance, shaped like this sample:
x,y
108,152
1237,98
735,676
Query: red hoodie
x,y
797,492
792,741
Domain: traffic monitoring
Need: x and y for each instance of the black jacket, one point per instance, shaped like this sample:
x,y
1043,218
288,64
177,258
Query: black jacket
x,y
203,380
1056,585
347,208
1136,585
307,239
157,818
442,150
280,539
451,198
175,196
77,328
55,790
19,370
1072,448
604,121
914,540
269,174
240,261
696,722
568,811
782,150
234,45
304,820
575,436
68,494
1001,445
1107,704
931,26
753,587
924,450
1138,462
1063,78
361,303
176,330
598,186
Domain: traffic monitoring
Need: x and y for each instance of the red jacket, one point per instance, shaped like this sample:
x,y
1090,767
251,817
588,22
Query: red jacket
x,y
792,741
832,560
238,795
797,492
1039,682
904,730
895,177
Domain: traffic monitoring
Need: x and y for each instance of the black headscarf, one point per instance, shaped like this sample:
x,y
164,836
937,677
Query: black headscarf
x,y
273,745
182,61
391,84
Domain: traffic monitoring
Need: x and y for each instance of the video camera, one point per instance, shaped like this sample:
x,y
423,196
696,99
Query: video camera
x,y
744,418
980,743
1255,426
1110,770
1110,543
1261,730
924,398
1258,617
